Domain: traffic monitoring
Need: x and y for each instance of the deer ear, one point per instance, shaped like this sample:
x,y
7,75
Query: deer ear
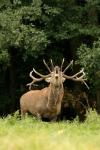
x,y
48,80
63,79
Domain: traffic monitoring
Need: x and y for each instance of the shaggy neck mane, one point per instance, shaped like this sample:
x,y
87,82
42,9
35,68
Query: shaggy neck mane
x,y
54,95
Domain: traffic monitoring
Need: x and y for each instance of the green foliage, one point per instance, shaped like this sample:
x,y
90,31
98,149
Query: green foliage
x,y
4,59
89,58
31,133
31,30
32,26
5,3
15,33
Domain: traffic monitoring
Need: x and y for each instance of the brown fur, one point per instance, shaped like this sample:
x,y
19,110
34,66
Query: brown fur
x,y
44,103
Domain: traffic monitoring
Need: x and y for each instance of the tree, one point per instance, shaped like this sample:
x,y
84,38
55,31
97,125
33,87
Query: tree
x,y
31,30
18,40
89,58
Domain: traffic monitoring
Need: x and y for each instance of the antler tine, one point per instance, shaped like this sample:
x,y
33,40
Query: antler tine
x,y
46,65
30,84
62,63
76,78
41,75
52,64
71,63
85,84
78,73
34,80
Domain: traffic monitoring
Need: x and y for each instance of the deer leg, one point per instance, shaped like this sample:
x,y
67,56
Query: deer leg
x,y
82,115
23,112
54,119
38,116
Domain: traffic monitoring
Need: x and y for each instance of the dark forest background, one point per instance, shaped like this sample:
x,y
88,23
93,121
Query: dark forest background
x,y
33,30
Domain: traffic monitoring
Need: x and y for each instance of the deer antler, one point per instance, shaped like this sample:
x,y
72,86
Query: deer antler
x,y
34,80
46,65
71,63
77,77
41,75
52,64
62,63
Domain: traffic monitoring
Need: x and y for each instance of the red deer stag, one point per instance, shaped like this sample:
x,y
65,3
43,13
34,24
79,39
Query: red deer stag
x,y
46,103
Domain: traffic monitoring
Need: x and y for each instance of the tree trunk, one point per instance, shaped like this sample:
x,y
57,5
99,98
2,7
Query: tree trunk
x,y
98,101
98,91
12,80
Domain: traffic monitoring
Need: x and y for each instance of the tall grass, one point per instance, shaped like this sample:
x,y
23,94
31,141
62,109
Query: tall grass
x,y
33,134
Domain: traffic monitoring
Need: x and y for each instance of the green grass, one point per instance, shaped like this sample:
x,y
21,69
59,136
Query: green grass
x,y
32,134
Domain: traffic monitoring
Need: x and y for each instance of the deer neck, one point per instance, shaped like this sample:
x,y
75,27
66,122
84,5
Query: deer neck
x,y
55,92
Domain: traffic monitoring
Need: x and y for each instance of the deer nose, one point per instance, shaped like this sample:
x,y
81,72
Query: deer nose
x,y
56,76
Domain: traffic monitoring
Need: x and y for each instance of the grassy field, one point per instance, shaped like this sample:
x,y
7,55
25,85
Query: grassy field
x,y
32,134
